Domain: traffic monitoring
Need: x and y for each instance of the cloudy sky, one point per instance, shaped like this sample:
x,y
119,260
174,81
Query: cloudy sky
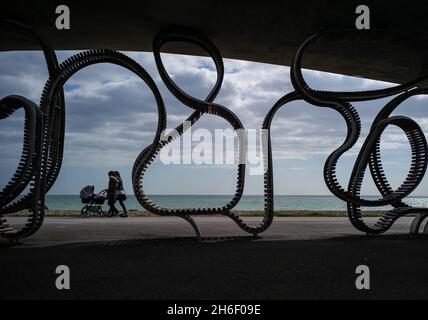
x,y
111,117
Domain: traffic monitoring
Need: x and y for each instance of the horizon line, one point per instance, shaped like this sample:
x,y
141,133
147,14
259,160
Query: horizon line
x,y
228,195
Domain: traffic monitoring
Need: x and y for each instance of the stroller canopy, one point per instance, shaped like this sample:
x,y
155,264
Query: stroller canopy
x,y
87,192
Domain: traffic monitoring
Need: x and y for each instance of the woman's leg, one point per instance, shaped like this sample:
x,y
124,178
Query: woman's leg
x,y
113,210
122,204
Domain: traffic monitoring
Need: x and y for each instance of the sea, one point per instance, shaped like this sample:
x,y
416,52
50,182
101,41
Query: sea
x,y
247,203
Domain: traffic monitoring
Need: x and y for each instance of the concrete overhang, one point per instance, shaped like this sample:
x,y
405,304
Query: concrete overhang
x,y
261,31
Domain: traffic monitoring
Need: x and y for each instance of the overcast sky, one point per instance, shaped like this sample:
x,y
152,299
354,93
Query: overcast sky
x,y
111,117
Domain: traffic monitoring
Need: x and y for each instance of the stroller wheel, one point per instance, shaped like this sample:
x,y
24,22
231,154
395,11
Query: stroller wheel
x,y
100,212
84,213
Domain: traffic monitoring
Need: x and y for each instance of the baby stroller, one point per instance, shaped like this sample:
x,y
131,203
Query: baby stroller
x,y
93,202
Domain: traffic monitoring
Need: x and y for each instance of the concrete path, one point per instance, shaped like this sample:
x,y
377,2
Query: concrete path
x,y
158,258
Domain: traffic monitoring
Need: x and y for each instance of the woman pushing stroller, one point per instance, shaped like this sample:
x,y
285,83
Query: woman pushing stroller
x,y
116,192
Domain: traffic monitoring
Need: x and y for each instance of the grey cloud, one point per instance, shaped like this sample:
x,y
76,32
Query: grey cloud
x,y
108,108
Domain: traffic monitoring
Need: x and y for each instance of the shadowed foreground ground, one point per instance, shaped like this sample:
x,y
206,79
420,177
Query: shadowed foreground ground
x,y
298,258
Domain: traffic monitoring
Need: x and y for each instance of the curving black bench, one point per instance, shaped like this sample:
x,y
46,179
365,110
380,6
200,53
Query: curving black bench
x,y
44,130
